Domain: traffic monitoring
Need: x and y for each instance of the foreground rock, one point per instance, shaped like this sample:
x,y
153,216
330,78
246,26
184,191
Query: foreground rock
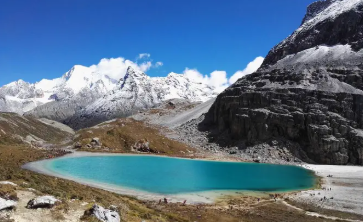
x,y
308,90
7,204
103,214
42,202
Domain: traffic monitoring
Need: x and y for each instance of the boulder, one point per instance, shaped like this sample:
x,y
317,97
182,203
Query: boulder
x,y
142,146
42,202
105,215
95,142
7,204
77,145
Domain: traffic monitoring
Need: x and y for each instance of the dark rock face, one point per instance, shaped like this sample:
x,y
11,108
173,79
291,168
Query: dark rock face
x,y
324,124
318,105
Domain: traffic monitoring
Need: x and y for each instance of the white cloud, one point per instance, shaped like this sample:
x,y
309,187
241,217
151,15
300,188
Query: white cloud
x,y
251,68
116,68
158,64
145,66
217,79
144,55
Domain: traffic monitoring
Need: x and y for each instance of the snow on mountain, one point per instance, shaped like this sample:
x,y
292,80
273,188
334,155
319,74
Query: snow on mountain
x,y
333,10
180,86
137,91
90,95
80,77
321,57
327,23
22,97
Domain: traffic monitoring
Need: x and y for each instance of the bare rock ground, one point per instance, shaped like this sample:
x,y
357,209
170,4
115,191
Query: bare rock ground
x,y
342,188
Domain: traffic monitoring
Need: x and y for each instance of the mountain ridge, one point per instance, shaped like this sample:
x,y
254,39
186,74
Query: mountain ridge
x,y
314,30
83,91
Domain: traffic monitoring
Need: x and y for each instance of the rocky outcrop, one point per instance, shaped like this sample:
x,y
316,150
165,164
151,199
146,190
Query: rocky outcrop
x,y
307,91
42,202
104,215
95,142
143,146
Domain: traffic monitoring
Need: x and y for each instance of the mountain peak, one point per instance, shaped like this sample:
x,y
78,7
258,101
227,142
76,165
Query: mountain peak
x,y
315,8
131,75
327,23
75,70
135,73
130,69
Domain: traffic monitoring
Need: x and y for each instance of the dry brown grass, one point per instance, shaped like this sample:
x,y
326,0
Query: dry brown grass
x,y
13,125
8,192
244,209
121,135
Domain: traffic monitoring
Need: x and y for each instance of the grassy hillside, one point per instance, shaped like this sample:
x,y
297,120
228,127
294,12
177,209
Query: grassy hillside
x,y
15,128
121,135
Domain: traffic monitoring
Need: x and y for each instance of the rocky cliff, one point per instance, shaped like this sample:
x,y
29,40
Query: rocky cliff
x,y
309,89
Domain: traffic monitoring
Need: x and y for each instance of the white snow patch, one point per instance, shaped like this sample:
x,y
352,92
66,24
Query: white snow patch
x,y
320,53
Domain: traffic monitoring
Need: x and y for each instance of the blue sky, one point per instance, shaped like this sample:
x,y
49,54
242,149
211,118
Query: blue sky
x,y
43,38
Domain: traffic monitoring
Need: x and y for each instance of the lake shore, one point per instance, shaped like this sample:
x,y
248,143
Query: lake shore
x,y
345,184
205,197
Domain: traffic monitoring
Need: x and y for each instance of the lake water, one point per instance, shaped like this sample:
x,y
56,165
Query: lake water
x,y
164,175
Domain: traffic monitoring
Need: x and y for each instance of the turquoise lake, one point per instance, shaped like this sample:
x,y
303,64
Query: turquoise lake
x,y
175,176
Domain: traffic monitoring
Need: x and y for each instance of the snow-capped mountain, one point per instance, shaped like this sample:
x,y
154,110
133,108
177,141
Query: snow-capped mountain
x,y
138,91
85,92
22,97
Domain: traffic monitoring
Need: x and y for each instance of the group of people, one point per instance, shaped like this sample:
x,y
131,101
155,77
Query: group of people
x,y
58,153
325,198
165,201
